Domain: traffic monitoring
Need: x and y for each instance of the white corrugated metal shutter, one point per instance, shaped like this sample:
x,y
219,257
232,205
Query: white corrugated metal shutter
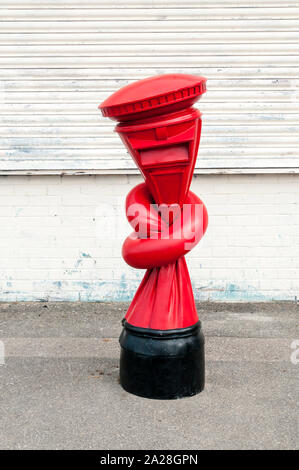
x,y
59,59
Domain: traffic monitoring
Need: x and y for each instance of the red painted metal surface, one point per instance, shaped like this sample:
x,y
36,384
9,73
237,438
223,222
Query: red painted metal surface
x,y
162,132
152,96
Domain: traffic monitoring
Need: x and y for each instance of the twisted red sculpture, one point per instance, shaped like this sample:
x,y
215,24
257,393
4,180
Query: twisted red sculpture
x,y
164,300
162,343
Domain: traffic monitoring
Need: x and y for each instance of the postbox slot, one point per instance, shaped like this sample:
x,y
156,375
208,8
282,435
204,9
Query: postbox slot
x,y
163,155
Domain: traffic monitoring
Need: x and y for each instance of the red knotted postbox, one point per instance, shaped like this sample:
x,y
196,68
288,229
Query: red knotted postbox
x,y
162,345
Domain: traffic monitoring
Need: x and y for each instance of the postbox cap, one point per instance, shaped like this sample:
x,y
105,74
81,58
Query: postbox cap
x,y
153,96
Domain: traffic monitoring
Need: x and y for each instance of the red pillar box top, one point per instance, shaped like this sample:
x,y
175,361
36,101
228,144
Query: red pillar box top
x,y
153,96
160,130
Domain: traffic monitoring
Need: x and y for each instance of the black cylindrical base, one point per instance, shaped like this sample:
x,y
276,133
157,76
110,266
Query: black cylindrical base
x,y
162,364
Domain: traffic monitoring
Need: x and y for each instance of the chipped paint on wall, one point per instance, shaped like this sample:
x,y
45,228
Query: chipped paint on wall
x,y
123,291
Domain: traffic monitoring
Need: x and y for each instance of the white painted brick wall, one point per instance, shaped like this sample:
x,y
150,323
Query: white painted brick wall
x,y
57,240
